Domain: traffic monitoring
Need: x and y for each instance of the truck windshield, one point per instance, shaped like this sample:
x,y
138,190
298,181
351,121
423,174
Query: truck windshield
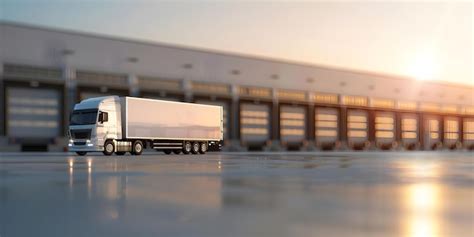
x,y
83,117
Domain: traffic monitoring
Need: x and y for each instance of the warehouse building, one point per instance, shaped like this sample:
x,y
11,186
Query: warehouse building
x,y
269,104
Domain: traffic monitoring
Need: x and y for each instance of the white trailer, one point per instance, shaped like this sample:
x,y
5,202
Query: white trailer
x,y
118,125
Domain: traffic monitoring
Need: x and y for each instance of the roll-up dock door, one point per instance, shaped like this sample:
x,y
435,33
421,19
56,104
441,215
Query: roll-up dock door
x,y
452,138
468,133
385,129
357,128
432,132
254,124
292,125
225,107
409,131
33,116
326,129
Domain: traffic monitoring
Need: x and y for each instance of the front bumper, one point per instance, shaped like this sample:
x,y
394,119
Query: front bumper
x,y
86,147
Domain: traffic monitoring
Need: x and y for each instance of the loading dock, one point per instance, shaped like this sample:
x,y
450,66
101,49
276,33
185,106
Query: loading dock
x,y
293,126
357,129
432,132
326,127
385,130
409,134
468,133
452,138
254,124
34,115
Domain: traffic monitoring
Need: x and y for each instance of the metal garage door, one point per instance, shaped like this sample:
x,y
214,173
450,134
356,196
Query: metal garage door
x,y
451,131
357,126
384,128
33,113
292,124
225,107
409,130
431,136
326,125
254,123
468,132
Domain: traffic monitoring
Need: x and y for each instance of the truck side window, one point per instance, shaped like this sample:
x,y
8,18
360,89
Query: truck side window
x,y
103,117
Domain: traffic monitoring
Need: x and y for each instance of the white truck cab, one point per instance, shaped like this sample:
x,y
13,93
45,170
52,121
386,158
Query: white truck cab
x,y
94,121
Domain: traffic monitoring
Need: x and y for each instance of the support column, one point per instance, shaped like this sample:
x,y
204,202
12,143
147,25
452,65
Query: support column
x,y
310,132
134,90
234,128
70,93
371,129
398,129
187,88
2,103
275,123
343,127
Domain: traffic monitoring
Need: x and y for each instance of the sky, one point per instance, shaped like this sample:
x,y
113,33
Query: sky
x,y
423,40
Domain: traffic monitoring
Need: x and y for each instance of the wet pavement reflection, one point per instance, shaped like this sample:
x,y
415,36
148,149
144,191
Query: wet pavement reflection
x,y
418,194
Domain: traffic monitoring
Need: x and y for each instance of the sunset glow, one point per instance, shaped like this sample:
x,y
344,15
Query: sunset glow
x,y
424,67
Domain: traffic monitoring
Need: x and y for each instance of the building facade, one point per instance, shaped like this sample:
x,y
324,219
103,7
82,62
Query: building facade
x,y
269,104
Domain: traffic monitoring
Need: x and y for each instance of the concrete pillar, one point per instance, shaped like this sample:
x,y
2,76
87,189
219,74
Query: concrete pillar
x,y
2,102
187,88
343,127
134,90
70,93
234,113
371,128
275,122
311,129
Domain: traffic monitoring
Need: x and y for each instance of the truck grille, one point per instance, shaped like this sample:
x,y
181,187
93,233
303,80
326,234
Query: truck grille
x,y
81,134
79,143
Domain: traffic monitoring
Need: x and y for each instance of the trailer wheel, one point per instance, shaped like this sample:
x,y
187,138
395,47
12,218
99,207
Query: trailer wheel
x,y
177,152
187,147
109,148
195,149
137,148
81,153
167,152
203,147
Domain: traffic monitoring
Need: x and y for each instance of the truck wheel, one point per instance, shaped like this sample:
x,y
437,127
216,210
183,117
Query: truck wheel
x,y
195,149
109,148
137,148
203,148
167,152
120,153
177,152
81,153
187,147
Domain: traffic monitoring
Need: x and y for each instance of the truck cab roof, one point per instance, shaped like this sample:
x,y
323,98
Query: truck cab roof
x,y
94,103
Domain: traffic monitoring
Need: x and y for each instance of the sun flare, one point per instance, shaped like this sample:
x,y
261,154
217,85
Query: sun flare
x,y
424,67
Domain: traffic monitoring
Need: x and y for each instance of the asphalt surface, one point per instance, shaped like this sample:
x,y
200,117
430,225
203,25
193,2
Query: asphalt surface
x,y
238,194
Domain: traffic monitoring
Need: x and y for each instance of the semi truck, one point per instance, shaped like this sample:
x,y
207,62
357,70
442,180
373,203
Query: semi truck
x,y
113,124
